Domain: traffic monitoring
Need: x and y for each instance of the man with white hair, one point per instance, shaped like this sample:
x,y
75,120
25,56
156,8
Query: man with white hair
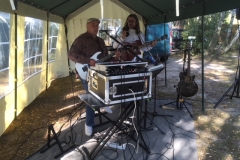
x,y
84,47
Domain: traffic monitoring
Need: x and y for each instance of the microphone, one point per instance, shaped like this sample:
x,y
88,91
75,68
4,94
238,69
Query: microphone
x,y
102,30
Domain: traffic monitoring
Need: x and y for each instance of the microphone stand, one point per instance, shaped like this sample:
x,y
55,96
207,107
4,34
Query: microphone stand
x,y
124,46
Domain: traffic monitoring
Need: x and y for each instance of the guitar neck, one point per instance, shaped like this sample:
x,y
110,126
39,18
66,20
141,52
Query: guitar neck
x,y
148,43
106,58
188,69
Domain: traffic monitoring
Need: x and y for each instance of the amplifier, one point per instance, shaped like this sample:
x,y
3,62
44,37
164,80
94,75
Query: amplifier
x,y
122,68
117,89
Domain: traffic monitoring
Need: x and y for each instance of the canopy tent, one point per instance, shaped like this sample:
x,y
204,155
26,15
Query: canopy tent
x,y
153,11
71,15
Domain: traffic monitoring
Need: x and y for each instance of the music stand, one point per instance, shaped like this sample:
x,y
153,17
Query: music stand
x,y
155,71
236,84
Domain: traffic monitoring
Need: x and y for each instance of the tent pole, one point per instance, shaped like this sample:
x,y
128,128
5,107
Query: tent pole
x,y
66,32
47,51
203,9
16,68
165,54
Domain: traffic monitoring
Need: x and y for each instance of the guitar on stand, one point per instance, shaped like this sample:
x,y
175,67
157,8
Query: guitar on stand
x,y
187,87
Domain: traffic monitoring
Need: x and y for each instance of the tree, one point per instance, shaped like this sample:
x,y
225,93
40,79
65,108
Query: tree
x,y
232,42
179,24
215,37
233,13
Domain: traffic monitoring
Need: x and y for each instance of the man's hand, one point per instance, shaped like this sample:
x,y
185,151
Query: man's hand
x,y
124,34
117,54
153,43
92,62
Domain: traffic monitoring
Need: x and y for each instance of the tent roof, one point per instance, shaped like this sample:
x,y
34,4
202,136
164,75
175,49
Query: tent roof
x,y
153,11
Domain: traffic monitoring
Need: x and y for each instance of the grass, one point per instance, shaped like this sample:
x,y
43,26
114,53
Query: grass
x,y
219,129
219,134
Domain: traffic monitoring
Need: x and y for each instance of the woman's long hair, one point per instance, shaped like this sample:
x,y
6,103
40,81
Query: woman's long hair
x,y
137,27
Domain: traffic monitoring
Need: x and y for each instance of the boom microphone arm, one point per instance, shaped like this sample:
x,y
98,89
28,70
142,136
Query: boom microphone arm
x,y
124,46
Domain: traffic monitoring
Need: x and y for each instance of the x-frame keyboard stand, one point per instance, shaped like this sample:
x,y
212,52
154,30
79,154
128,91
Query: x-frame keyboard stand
x,y
93,102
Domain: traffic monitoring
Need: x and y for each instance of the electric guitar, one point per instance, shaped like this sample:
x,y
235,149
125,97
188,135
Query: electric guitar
x,y
82,69
134,47
187,86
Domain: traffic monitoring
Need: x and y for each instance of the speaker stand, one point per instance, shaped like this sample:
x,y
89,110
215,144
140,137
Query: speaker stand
x,y
236,84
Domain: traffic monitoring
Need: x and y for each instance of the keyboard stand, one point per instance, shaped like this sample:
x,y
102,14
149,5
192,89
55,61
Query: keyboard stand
x,y
93,102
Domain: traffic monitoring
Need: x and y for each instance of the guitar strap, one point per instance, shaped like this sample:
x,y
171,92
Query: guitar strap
x,y
145,45
100,46
140,38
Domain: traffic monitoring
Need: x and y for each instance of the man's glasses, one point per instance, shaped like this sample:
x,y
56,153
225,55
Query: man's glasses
x,y
130,21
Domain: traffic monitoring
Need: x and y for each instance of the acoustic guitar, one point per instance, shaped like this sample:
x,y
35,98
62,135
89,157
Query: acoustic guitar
x,y
187,87
135,47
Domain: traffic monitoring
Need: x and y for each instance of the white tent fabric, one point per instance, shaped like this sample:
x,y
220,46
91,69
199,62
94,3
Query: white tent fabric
x,y
28,89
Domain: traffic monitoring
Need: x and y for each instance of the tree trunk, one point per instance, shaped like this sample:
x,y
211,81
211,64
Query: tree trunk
x,y
232,42
233,12
216,34
179,24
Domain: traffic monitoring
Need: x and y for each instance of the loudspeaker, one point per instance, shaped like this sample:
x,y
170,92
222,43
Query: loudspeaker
x,y
238,13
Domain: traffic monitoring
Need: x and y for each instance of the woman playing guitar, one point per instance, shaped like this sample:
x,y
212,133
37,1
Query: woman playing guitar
x,y
133,37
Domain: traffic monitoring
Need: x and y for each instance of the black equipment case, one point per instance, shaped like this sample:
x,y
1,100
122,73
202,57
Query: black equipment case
x,y
119,88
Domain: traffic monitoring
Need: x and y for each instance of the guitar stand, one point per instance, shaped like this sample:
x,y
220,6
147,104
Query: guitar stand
x,y
180,104
183,105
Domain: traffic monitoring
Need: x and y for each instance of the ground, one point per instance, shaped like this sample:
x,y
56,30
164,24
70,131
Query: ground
x,y
218,129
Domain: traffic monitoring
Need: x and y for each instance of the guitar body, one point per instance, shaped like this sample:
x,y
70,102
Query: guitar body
x,y
127,55
187,86
134,47
82,68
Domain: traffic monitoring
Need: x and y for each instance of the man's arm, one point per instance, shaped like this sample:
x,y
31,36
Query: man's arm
x,y
105,52
75,53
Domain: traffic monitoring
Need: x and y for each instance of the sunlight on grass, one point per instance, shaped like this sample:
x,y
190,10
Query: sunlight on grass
x,y
179,61
50,82
218,135
66,107
74,94
228,157
63,123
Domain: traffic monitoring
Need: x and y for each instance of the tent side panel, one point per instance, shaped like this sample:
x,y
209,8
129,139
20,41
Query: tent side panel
x,y
6,111
59,67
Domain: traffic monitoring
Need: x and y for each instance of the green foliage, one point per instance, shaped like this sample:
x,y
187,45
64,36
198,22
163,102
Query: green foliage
x,y
193,27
